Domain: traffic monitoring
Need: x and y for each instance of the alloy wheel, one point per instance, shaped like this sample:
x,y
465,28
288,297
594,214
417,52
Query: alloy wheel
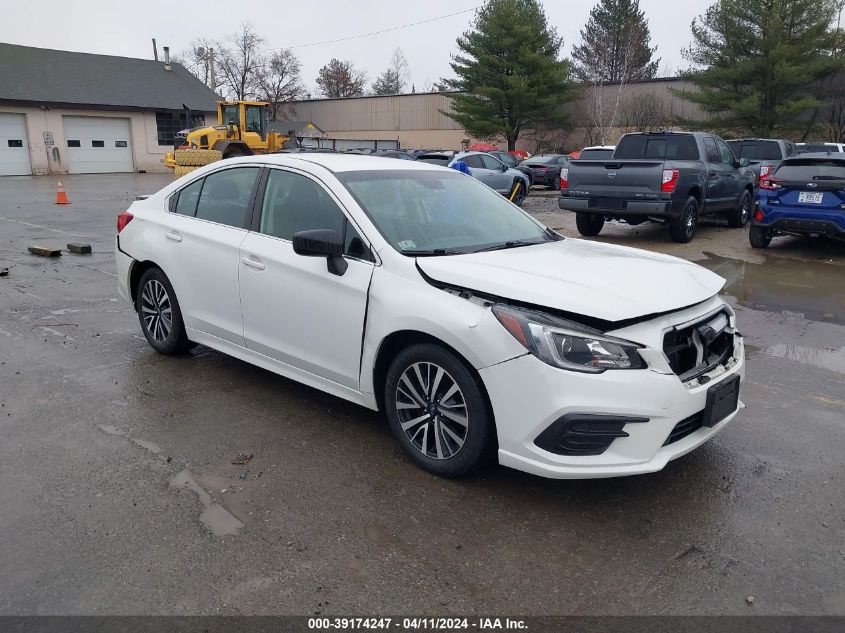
x,y
156,310
690,220
432,410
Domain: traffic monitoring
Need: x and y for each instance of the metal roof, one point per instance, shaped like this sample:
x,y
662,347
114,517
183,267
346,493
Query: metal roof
x,y
42,75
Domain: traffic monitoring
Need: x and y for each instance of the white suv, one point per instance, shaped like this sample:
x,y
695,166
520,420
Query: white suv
x,y
414,290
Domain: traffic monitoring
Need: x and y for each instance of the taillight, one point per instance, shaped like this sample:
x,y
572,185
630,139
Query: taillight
x,y
564,175
769,183
765,170
758,214
670,179
123,219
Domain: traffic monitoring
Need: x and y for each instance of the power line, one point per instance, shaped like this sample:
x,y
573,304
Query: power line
x,y
393,28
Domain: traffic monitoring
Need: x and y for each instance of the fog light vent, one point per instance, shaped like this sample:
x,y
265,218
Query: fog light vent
x,y
584,433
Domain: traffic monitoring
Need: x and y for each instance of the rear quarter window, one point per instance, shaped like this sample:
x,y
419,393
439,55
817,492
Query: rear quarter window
x,y
659,147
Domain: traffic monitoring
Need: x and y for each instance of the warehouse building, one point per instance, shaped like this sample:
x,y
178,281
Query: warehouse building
x,y
419,120
64,112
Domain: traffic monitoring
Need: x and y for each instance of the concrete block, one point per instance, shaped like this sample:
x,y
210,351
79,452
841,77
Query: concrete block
x,y
43,251
80,249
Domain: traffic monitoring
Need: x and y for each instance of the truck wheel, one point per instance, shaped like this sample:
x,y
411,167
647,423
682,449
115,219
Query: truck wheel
x,y
759,237
738,218
682,228
589,224
197,157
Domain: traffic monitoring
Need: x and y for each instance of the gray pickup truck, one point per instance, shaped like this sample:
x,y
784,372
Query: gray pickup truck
x,y
764,154
667,177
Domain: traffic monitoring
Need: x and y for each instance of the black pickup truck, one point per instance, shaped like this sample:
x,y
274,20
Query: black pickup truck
x,y
667,177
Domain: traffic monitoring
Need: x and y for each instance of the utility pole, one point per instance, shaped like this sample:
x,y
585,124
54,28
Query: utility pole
x,y
211,81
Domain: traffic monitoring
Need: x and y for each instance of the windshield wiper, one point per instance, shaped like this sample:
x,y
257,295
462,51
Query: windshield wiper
x,y
508,244
432,252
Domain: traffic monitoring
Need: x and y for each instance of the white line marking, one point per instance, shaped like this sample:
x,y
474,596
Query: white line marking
x,y
46,228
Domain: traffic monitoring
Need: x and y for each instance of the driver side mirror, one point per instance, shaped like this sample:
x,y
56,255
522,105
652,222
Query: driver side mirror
x,y
504,167
322,243
744,162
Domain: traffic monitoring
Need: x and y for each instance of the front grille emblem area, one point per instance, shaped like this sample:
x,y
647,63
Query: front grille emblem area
x,y
812,185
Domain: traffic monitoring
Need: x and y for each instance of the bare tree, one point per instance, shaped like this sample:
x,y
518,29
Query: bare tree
x,y
644,112
279,82
341,79
198,60
393,80
240,63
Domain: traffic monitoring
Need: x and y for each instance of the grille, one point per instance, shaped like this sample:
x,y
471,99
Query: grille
x,y
698,348
685,427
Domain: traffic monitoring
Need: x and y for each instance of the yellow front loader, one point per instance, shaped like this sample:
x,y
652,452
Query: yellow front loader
x,y
241,130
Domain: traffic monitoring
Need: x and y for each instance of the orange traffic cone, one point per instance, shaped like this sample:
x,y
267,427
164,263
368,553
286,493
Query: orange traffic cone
x,y
61,196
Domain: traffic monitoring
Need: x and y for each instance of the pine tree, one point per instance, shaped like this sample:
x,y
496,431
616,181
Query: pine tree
x,y
394,79
757,63
615,44
509,75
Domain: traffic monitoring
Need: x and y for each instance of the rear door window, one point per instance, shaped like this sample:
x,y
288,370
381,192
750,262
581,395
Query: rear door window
x,y
725,153
474,161
658,147
491,163
225,196
711,151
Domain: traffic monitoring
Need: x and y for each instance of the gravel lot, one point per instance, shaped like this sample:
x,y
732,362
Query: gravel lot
x,y
120,496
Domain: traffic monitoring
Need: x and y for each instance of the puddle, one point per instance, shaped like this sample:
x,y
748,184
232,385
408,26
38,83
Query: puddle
x,y
215,517
832,359
808,290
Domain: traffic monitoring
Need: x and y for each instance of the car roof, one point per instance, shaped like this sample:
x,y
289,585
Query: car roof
x,y
819,155
334,162
583,149
745,140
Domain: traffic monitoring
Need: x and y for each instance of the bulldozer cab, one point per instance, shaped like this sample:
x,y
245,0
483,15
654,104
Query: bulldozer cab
x,y
248,117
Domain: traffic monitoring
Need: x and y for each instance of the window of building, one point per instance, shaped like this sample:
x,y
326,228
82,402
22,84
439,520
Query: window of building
x,y
169,124
15,142
121,144
98,143
74,143
225,196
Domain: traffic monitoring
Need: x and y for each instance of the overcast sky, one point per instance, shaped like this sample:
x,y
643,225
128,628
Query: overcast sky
x,y
120,28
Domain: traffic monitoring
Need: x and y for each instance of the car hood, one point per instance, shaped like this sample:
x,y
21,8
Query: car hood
x,y
601,281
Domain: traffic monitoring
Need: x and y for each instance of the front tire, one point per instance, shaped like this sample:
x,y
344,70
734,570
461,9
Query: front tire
x,y
159,314
519,194
589,224
682,229
759,237
738,218
438,411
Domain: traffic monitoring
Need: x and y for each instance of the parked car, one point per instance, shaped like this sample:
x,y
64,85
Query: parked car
x,y
393,153
414,290
437,157
668,177
821,147
514,162
496,175
804,196
545,169
764,154
596,152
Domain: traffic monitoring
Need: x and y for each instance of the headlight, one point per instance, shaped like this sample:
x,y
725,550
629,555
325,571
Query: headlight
x,y
568,345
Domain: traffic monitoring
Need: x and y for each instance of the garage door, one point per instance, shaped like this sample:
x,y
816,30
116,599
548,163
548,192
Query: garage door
x,y
14,149
97,145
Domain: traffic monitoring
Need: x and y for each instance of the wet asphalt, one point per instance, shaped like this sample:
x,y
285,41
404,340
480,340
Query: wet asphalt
x,y
119,495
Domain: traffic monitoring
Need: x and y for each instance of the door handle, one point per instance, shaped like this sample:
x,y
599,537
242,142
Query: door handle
x,y
251,263
173,236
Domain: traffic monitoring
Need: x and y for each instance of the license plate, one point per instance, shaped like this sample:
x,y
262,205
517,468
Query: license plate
x,y
722,400
810,196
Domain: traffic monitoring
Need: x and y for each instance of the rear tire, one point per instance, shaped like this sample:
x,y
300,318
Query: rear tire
x,y
738,218
520,194
443,424
589,224
160,315
759,237
682,229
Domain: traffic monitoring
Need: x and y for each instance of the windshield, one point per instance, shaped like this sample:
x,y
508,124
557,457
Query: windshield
x,y
440,212
595,154
808,170
541,160
817,147
756,150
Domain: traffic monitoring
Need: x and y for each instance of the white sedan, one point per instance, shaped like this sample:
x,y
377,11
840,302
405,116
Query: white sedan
x,y
414,290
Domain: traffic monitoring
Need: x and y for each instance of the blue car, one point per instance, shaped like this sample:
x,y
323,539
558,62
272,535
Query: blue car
x,y
804,196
